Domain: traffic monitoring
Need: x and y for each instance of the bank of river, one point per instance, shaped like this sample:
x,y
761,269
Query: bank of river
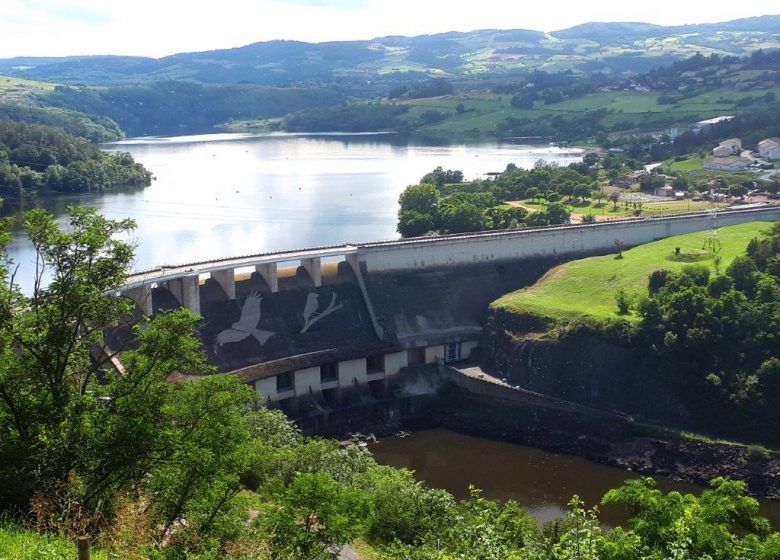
x,y
220,195
541,481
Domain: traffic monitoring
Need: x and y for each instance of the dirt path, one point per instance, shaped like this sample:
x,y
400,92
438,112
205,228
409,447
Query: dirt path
x,y
349,553
520,204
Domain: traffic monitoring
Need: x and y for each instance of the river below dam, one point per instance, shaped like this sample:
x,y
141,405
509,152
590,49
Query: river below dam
x,y
221,195
541,481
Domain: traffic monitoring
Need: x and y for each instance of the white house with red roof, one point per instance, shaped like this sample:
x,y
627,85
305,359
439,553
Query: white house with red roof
x,y
769,148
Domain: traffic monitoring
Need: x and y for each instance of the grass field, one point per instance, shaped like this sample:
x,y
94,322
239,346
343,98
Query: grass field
x,y
7,82
693,168
21,544
587,287
15,89
692,163
483,112
648,208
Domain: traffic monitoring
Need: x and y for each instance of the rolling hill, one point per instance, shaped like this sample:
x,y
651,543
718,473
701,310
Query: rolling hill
x,y
607,47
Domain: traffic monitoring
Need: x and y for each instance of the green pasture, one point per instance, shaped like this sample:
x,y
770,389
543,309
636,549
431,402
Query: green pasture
x,y
587,287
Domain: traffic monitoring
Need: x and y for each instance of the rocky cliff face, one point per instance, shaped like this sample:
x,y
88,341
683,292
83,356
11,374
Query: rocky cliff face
x,y
582,365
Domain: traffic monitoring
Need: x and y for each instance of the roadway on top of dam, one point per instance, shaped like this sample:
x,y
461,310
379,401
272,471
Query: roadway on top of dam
x,y
165,273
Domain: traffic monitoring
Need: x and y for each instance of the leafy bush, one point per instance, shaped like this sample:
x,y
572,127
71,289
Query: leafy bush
x,y
624,301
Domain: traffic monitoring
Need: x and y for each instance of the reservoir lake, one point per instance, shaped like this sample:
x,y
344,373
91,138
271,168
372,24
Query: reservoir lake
x,y
221,195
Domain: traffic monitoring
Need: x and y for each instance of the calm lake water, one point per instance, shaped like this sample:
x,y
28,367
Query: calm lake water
x,y
220,195
539,480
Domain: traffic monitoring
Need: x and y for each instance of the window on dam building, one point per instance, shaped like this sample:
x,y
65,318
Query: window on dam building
x,y
452,353
329,372
375,364
416,356
284,382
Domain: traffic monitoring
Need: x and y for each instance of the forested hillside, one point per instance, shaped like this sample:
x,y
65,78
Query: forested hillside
x,y
595,47
596,81
47,160
167,108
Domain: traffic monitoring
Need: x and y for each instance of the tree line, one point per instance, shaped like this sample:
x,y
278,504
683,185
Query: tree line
x,y
94,128
443,202
168,107
44,159
714,338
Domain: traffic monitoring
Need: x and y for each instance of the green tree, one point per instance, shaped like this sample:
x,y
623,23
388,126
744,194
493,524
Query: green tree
x,y
566,188
744,272
419,210
722,523
581,540
403,508
557,213
737,191
624,302
459,218
614,198
315,516
413,224
581,191
422,198
80,434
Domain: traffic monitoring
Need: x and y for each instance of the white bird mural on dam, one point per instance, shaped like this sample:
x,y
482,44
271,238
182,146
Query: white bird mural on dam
x,y
310,314
312,303
246,325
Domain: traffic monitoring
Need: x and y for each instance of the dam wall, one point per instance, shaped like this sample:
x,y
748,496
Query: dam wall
x,y
421,253
324,335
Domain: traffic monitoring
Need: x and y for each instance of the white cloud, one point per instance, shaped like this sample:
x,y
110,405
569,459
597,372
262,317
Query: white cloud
x,y
161,27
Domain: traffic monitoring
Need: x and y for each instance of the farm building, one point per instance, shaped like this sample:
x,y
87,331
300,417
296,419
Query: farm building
x,y
769,148
727,163
722,151
733,144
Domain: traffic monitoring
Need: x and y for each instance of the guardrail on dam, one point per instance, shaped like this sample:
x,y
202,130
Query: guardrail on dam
x,y
342,323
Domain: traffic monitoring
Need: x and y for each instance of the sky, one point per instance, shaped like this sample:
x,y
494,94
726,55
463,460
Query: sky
x,y
161,27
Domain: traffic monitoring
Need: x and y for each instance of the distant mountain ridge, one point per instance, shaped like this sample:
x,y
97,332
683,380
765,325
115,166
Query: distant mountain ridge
x,y
609,47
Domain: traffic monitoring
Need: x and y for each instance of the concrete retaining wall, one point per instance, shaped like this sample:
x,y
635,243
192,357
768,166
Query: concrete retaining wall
x,y
542,242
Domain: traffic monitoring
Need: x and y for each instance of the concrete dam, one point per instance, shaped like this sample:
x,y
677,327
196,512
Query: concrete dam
x,y
327,327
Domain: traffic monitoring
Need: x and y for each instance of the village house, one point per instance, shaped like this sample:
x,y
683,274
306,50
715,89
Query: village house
x,y
769,148
733,144
637,175
722,151
727,163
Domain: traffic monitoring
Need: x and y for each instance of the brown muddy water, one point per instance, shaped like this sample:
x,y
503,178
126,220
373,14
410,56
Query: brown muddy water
x,y
541,481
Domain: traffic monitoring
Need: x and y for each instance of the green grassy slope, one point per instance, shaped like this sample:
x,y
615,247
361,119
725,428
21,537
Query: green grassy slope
x,y
21,544
587,286
483,112
12,86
